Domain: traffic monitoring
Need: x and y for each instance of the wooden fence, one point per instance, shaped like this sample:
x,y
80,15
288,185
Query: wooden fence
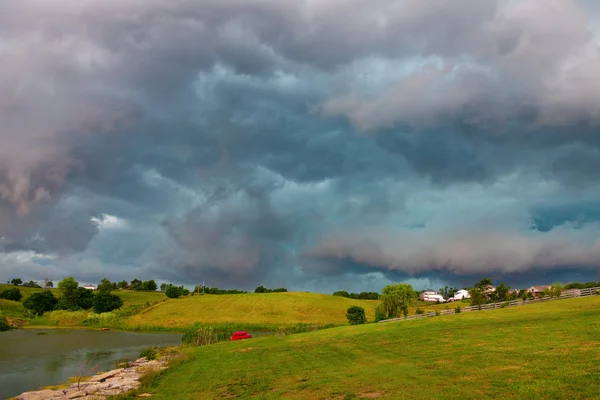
x,y
513,303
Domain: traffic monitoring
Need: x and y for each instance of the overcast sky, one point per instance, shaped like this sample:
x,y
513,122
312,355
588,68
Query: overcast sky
x,y
317,144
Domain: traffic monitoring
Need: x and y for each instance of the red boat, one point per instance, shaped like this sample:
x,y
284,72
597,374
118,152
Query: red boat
x,y
241,335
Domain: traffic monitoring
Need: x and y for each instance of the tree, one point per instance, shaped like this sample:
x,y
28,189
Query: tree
x,y
105,286
164,286
85,298
482,284
135,284
555,290
122,285
149,286
106,302
49,284
356,315
477,296
11,294
41,302
501,292
32,284
260,289
16,282
68,287
341,293
379,313
173,292
394,297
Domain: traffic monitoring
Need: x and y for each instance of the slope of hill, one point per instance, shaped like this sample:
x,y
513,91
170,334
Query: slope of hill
x,y
253,308
547,350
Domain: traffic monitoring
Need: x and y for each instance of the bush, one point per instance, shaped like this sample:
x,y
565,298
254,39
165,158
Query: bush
x,y
41,302
150,353
105,302
437,313
379,313
11,294
356,315
174,292
457,310
419,311
4,326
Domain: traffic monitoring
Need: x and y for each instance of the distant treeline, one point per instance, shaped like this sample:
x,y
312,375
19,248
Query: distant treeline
x,y
262,289
577,285
215,290
360,296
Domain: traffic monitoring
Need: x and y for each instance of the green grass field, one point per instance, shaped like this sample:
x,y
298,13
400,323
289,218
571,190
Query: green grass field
x,y
541,351
253,308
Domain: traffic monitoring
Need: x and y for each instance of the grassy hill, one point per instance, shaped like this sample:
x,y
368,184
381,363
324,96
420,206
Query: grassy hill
x,y
253,308
548,350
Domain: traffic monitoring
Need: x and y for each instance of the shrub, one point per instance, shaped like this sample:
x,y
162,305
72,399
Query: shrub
x,y
404,309
41,302
174,292
457,310
11,294
4,326
150,353
105,302
379,313
418,311
437,313
356,315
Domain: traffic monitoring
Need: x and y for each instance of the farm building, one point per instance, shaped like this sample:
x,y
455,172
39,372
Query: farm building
x,y
431,295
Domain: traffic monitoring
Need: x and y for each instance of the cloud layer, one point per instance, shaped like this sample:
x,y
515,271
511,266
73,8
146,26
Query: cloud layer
x,y
319,145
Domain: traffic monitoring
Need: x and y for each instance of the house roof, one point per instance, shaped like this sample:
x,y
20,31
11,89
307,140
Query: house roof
x,y
539,288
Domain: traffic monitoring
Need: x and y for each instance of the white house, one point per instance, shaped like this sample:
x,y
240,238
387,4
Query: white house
x,y
431,295
461,294
89,287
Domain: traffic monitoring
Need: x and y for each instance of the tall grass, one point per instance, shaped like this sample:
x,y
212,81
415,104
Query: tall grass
x,y
204,334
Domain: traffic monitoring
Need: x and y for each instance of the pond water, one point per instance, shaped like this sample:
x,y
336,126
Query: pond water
x,y
33,358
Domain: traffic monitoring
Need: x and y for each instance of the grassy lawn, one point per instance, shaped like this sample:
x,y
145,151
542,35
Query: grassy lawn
x,y
541,351
253,308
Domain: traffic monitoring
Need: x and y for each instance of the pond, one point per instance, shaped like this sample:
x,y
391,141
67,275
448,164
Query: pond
x,y
32,358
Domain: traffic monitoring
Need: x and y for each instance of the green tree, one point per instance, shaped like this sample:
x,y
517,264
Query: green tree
x,y
394,297
68,288
356,315
173,292
379,313
149,286
483,283
85,298
41,302
105,302
136,284
16,282
260,289
477,296
341,293
122,285
11,294
105,286
501,292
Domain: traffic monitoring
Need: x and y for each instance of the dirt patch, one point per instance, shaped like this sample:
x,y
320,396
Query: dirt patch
x,y
369,395
247,349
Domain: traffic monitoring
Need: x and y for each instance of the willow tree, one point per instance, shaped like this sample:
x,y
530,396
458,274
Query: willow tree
x,y
396,297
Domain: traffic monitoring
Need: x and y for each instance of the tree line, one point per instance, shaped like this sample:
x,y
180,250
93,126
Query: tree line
x,y
359,296
72,298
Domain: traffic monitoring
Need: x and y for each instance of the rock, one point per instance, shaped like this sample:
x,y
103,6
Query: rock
x,y
145,395
38,395
104,376
76,394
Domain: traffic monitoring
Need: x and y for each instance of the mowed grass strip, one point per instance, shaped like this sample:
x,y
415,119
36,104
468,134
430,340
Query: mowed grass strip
x,y
253,308
542,351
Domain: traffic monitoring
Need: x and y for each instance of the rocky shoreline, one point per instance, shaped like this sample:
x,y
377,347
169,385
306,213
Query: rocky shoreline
x,y
98,387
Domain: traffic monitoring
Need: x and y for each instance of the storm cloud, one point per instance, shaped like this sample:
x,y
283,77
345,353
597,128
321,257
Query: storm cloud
x,y
317,145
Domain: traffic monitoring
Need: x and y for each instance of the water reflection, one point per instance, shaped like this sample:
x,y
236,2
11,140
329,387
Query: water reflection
x,y
30,359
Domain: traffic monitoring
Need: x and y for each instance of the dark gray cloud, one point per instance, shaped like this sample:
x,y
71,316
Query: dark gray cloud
x,y
253,142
